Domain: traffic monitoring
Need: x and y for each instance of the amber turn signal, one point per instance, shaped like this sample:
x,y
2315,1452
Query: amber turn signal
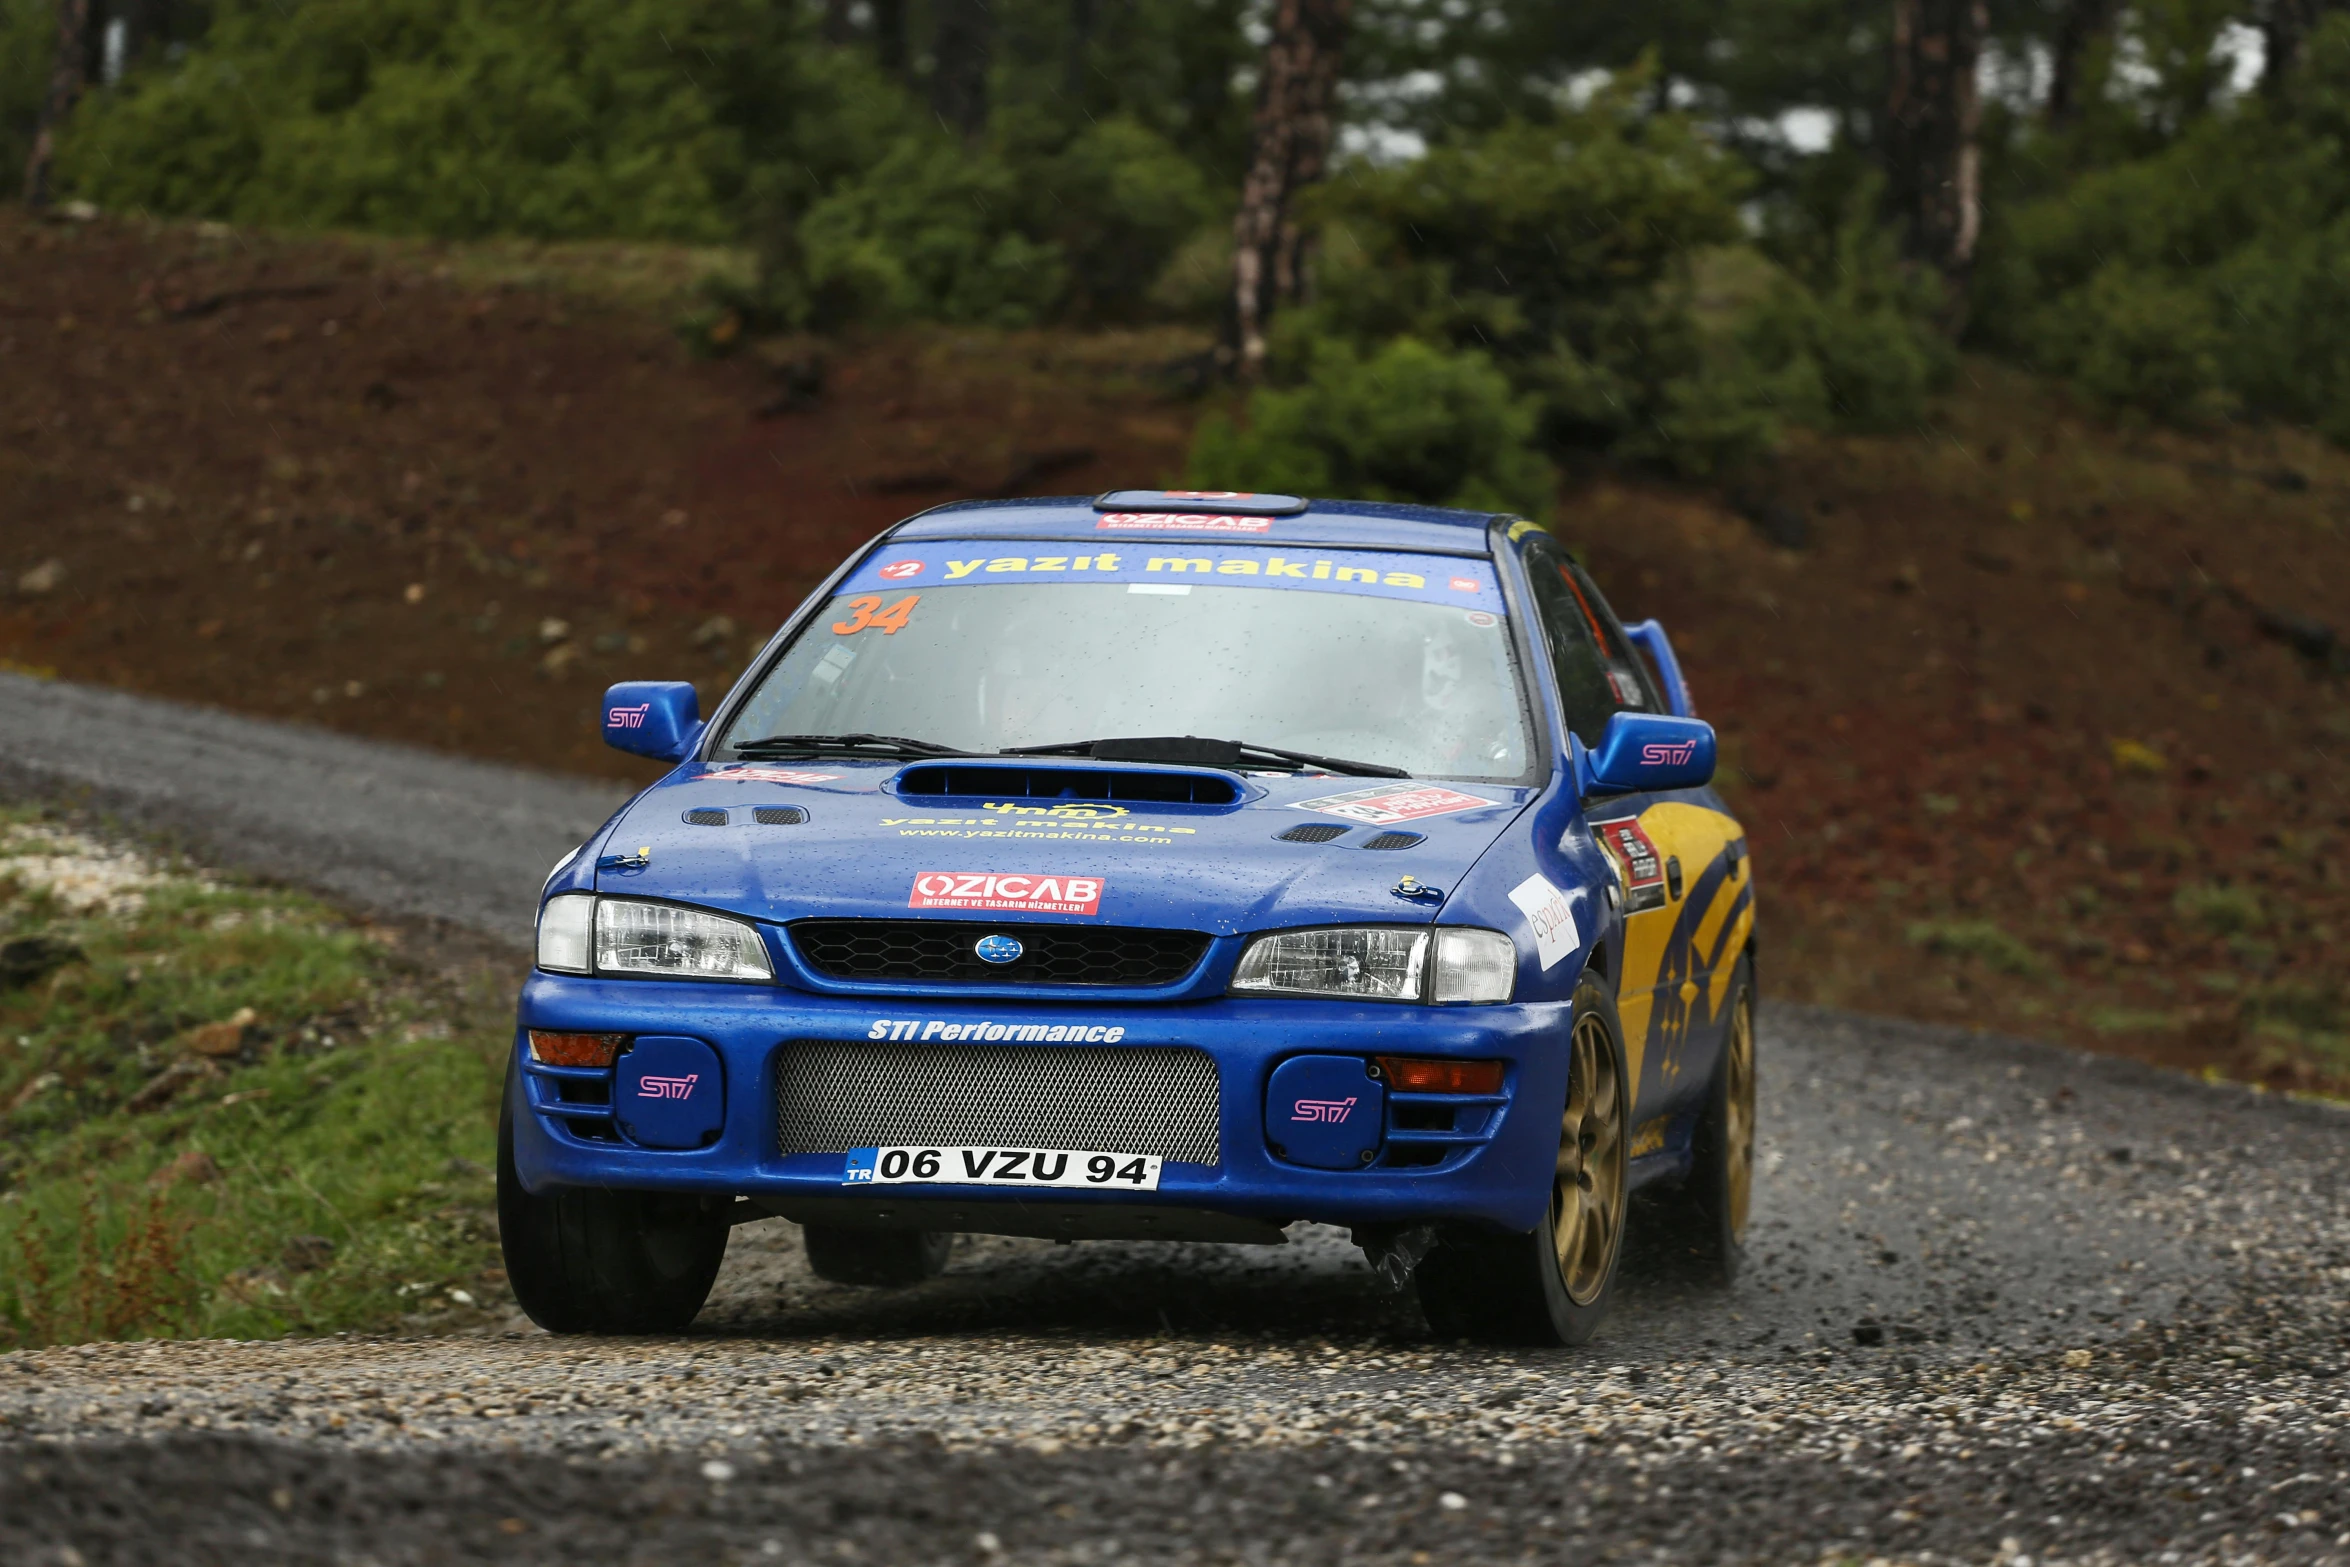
x,y
574,1049
1424,1075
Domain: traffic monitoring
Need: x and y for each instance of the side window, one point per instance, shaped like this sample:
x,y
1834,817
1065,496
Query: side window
x,y
1598,676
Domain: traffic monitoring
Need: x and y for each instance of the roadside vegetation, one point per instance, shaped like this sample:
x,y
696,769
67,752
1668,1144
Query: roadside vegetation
x,y
227,1111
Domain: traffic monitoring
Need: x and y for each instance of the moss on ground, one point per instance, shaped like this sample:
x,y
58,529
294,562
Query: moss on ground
x,y
229,1110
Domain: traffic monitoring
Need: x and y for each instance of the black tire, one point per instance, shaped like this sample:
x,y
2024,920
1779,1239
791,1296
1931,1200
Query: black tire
x,y
1516,1289
585,1261
887,1258
1704,1218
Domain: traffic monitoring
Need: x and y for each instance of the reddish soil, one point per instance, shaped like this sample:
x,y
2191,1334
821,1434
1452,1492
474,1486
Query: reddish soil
x,y
2010,735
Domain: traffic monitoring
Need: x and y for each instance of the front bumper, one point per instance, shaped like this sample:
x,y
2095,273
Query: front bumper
x,y
1483,1159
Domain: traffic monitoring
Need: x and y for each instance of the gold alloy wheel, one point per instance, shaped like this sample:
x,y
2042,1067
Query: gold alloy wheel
x,y
1738,1123
1587,1203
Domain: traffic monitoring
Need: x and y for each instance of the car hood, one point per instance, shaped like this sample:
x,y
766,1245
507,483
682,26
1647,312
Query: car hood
x,y
867,850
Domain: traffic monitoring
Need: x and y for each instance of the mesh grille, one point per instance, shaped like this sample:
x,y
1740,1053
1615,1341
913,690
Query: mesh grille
x,y
1051,955
1311,832
778,815
831,1097
1395,840
705,817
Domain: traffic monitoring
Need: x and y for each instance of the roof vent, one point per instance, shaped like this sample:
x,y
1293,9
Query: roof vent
x,y
705,816
1222,503
1149,786
1313,832
778,815
1395,840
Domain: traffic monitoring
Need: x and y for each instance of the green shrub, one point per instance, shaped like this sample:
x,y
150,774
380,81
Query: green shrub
x,y
1982,940
28,35
1409,422
2227,911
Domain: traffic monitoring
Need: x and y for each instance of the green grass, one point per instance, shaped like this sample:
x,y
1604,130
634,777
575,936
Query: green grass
x,y
1982,940
333,1171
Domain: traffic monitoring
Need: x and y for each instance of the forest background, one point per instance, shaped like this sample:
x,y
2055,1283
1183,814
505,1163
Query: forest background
x,y
1656,234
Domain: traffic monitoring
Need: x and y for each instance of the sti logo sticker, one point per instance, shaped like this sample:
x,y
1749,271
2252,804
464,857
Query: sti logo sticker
x,y
1001,890
1179,522
627,717
1661,754
900,570
1390,804
1324,1112
668,1087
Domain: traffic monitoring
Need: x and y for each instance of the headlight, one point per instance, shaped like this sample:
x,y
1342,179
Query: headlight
x,y
580,933
1382,963
659,938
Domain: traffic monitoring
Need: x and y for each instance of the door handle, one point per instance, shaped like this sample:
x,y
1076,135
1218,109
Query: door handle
x,y
1673,877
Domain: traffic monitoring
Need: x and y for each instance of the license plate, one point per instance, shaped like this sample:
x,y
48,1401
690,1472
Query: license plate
x,y
1061,1168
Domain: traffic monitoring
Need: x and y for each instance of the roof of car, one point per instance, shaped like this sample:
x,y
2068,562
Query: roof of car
x,y
1133,518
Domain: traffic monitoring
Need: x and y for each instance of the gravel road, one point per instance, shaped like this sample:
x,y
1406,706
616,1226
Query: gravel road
x,y
2007,1304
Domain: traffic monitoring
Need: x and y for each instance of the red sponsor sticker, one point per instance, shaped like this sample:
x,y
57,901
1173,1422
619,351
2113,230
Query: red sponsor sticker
x,y
1180,522
785,775
900,570
1465,584
1642,868
1011,890
1381,806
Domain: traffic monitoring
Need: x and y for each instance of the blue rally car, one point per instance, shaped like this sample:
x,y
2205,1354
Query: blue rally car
x,y
1170,865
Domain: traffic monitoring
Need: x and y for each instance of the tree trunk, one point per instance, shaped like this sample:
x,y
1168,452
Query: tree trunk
x,y
66,77
2087,24
1083,14
1933,160
1289,150
838,28
889,37
2285,25
965,45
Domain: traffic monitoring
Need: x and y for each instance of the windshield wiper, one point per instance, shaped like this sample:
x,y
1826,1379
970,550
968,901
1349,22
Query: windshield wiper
x,y
845,745
1192,751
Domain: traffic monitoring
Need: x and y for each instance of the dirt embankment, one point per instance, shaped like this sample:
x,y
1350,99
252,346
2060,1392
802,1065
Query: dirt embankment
x,y
2038,724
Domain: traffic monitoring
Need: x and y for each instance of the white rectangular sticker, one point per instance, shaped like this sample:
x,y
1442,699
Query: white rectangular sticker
x,y
1554,923
1054,1167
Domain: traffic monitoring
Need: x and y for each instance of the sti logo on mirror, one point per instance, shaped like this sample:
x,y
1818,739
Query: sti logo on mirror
x,y
668,1087
900,570
1324,1112
1661,754
627,717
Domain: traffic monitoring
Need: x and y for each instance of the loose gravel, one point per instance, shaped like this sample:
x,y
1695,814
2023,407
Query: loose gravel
x,y
2007,1305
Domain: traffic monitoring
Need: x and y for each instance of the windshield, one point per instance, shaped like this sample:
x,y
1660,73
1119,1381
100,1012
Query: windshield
x,y
1403,660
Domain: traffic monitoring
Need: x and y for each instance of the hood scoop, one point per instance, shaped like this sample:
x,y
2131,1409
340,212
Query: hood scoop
x,y
1029,781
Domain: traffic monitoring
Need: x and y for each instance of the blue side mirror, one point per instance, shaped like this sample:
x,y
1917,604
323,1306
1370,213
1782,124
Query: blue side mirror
x,y
657,718
1641,752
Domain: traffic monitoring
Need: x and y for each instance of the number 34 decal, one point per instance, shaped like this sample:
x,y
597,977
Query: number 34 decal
x,y
866,613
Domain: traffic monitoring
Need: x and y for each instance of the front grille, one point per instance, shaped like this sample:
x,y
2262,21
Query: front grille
x,y
940,950
831,1097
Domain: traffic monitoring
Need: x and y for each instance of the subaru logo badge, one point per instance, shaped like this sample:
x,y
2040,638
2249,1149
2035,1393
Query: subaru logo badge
x,y
998,949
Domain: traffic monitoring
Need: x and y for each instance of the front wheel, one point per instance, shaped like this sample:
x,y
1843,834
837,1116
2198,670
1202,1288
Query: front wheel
x,y
1553,1285
585,1261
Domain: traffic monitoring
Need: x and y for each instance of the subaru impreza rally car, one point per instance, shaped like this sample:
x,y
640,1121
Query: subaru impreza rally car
x,y
1169,865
